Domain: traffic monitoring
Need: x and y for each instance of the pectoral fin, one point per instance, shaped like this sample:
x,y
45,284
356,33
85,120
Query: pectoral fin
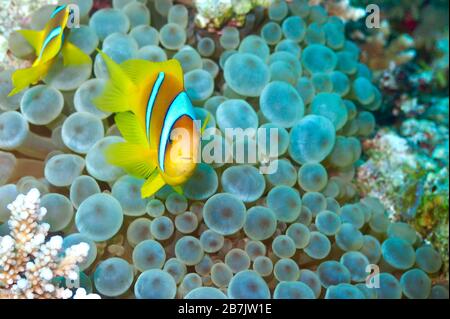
x,y
72,55
153,184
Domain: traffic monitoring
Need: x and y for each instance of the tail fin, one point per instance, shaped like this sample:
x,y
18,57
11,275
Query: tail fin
x,y
24,77
119,94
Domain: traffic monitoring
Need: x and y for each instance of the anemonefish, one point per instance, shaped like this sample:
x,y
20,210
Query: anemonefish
x,y
151,103
48,43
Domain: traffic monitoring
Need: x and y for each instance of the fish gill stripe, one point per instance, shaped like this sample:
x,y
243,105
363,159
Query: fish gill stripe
x,y
58,9
180,106
55,32
151,102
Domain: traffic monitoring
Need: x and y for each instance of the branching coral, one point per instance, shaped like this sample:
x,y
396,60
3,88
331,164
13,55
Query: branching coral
x,y
29,263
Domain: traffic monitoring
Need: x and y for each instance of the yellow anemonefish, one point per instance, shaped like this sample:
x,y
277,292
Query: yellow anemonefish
x,y
48,43
151,103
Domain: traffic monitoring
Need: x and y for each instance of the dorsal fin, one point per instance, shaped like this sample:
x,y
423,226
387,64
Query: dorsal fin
x,y
34,38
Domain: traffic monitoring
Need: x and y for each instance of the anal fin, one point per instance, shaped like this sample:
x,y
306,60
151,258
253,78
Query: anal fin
x,y
153,184
133,158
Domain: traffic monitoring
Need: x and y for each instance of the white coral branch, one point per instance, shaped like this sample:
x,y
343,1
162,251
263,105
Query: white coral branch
x,y
29,263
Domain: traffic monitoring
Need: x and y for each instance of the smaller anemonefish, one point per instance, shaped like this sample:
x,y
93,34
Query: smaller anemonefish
x,y
48,43
151,103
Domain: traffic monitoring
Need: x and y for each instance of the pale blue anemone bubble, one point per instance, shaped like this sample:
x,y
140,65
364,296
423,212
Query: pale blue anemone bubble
x,y
96,164
311,139
315,34
163,7
202,184
416,284
152,53
213,103
255,45
272,134
162,228
333,273
243,181
281,104
246,74
344,291
145,35
62,169
271,33
211,67
285,174
176,203
224,213
318,58
190,282
127,190
155,284
255,248
137,13
334,33
294,28
172,36
233,113
81,130
285,202
189,250
341,83
248,284
86,93
311,279
8,193
281,71
263,266
286,270
306,89
199,85
99,217
312,177
202,114
113,277
138,231
206,47
278,10
107,21
260,223
176,269
356,263
186,223
211,241
84,38
283,246
67,77
59,211
229,39
224,56
148,254
41,104
189,59
319,246
237,259
205,293
289,46
289,58
221,274
322,82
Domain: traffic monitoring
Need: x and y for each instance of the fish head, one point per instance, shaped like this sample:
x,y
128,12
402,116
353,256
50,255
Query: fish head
x,y
182,151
